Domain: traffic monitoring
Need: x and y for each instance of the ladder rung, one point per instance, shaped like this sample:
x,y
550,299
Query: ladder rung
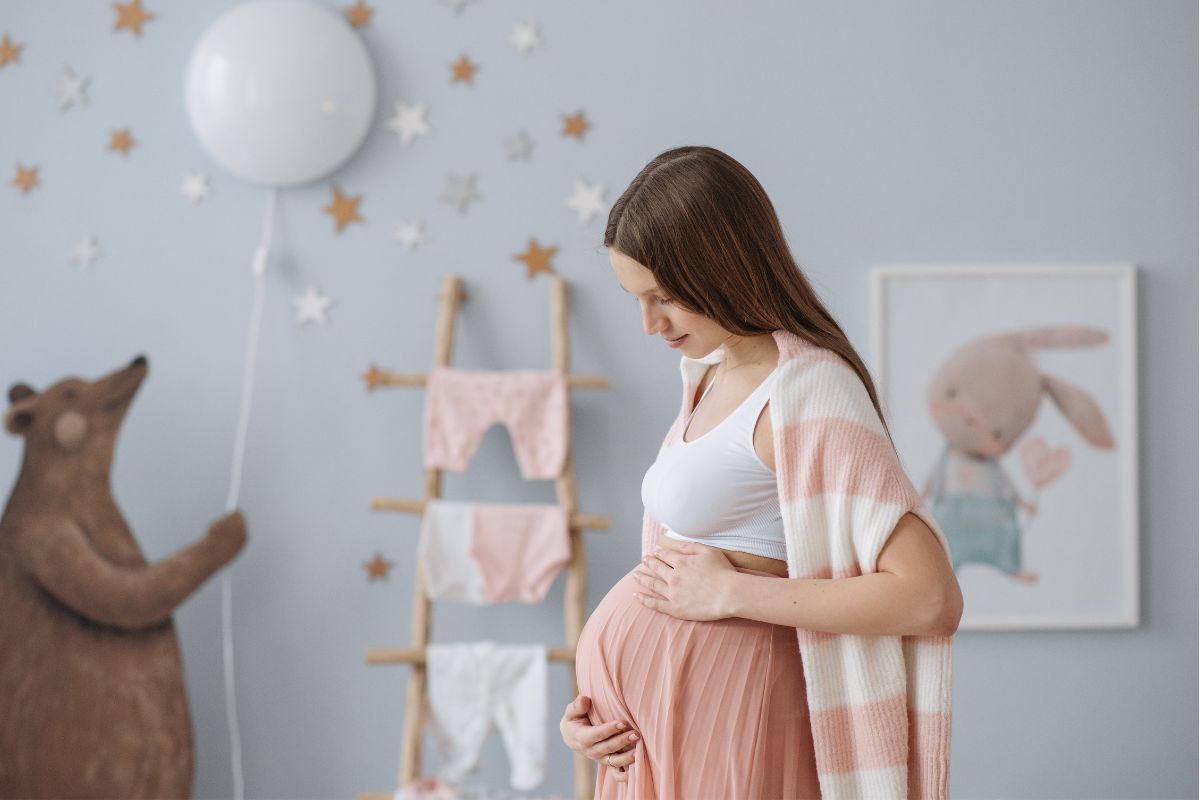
x,y
376,377
416,655
595,522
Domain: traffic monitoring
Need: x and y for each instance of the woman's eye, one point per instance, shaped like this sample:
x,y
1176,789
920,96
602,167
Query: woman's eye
x,y
663,300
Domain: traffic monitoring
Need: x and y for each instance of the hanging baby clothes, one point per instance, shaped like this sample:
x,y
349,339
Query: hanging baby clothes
x,y
460,405
475,684
483,553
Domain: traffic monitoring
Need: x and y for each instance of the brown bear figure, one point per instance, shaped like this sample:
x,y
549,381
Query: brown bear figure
x,y
92,696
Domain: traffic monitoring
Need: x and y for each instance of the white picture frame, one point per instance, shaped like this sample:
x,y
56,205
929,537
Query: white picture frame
x,y
956,338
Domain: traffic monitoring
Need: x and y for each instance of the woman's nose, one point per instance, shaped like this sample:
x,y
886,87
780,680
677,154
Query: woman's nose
x,y
651,323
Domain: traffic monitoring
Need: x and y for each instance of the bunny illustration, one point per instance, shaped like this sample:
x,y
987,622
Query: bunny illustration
x,y
983,399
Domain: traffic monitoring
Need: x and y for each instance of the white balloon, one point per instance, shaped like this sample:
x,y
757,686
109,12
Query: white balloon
x,y
280,92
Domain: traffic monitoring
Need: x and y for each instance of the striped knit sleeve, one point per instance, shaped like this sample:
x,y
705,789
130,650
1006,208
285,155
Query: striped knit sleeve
x,y
880,706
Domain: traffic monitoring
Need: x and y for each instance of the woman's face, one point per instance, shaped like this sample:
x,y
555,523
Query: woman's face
x,y
695,335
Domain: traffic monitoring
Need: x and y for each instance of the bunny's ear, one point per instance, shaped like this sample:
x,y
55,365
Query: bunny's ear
x,y
1080,410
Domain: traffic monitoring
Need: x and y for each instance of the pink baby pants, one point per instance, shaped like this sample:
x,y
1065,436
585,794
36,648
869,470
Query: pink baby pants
x,y
460,405
484,553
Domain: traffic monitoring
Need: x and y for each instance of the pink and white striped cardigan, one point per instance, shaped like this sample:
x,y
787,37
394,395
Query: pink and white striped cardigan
x,y
879,704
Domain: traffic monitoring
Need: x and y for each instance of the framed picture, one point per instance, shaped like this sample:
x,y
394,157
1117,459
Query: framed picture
x,y
1011,393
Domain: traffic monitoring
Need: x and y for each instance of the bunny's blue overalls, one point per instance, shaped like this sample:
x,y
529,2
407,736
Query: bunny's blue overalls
x,y
980,520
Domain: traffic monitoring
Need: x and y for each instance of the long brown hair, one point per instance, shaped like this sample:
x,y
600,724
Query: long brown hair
x,y
704,226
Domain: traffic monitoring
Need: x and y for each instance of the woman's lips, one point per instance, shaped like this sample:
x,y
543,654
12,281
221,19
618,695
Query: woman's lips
x,y
677,342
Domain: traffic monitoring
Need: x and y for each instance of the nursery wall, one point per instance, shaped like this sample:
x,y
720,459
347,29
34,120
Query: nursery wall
x,y
918,132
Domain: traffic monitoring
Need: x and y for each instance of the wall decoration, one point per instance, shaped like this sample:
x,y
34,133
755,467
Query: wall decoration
x,y
409,121
525,37
92,689
359,14
374,377
587,200
1019,407
575,125
536,259
121,141
10,51
26,178
463,71
131,16
86,250
410,234
457,5
312,306
72,89
343,209
460,191
519,147
289,65
195,186
377,568
266,69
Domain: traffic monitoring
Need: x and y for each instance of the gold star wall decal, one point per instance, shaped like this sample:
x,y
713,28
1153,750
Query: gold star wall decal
x,y
10,51
575,125
343,209
121,141
26,179
131,15
537,259
377,568
359,14
463,70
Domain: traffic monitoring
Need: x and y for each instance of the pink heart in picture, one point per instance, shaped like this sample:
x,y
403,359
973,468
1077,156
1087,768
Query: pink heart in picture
x,y
1042,465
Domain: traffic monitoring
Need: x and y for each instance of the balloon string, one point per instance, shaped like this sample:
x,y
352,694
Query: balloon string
x,y
259,267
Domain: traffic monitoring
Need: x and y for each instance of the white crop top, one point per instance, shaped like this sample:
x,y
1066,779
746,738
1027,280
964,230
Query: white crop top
x,y
715,489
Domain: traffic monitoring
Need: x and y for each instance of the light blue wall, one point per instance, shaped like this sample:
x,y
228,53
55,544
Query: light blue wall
x,y
883,132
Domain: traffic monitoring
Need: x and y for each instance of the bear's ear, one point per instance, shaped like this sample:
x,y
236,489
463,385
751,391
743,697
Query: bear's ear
x,y
19,391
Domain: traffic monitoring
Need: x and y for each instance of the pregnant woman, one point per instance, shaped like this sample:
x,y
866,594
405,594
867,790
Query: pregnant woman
x,y
764,646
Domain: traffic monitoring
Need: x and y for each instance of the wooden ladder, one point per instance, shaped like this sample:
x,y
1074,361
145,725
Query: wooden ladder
x,y
451,297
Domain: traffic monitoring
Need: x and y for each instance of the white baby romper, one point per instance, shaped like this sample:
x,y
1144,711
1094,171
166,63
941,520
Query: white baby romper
x,y
475,684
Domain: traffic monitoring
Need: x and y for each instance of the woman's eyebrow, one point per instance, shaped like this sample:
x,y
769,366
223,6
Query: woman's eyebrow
x,y
645,291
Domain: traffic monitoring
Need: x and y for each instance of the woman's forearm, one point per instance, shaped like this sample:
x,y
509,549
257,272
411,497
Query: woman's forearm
x,y
880,603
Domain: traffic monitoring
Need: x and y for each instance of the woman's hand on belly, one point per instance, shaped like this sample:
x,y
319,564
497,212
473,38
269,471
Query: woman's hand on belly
x,y
687,580
609,743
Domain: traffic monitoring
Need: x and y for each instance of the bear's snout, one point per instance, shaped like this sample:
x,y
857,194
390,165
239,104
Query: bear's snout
x,y
140,361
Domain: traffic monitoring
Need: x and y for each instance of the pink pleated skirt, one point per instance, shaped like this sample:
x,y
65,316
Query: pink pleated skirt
x,y
719,707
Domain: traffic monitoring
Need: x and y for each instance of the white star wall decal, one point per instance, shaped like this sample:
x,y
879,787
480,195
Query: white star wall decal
x,y
86,250
409,121
457,5
587,200
519,147
195,186
72,89
460,191
312,306
410,234
525,37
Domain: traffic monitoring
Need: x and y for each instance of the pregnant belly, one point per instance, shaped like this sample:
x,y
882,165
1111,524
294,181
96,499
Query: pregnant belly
x,y
612,666
635,663
691,690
